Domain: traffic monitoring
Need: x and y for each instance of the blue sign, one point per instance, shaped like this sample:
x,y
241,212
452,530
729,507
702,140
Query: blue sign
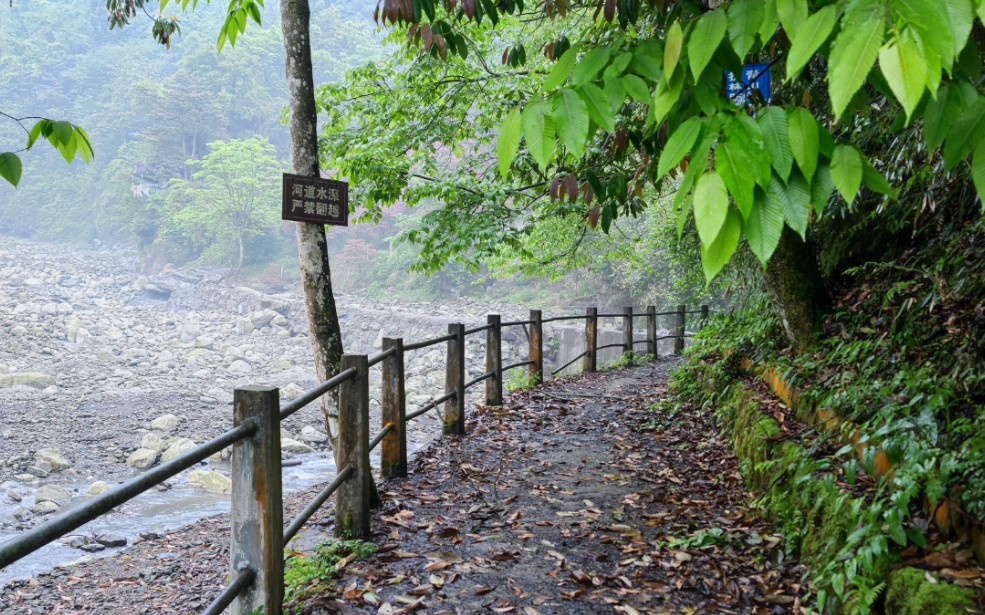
x,y
754,77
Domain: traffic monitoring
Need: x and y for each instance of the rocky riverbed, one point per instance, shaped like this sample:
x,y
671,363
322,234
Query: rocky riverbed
x,y
105,372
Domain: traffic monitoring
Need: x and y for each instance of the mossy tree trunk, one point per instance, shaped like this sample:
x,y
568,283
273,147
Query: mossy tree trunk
x,y
796,290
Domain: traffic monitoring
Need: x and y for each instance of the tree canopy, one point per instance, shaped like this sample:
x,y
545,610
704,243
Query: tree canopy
x,y
512,114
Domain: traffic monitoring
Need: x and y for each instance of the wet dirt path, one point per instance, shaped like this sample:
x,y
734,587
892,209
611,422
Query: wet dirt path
x,y
583,496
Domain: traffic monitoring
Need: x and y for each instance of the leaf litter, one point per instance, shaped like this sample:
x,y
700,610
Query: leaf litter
x,y
568,500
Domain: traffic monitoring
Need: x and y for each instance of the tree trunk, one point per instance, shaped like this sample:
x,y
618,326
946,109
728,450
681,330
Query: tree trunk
x,y
796,291
239,268
316,275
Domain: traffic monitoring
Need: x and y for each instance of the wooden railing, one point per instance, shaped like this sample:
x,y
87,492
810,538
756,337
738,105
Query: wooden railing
x,y
258,532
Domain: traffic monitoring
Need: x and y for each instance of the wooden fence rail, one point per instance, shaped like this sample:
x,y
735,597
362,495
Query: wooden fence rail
x,y
258,533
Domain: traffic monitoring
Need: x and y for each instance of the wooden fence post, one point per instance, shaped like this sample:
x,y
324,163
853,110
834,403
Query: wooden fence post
x,y
257,507
393,455
353,497
679,333
537,346
651,331
591,340
627,331
494,360
455,382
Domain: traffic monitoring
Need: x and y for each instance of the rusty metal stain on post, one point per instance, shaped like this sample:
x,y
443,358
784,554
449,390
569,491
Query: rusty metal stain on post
x,y
393,455
353,497
257,505
455,382
591,339
537,346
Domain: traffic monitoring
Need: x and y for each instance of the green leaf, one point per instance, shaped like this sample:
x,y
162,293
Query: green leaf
x,y
981,10
618,65
875,180
961,16
793,14
590,65
571,117
977,171
744,19
699,162
710,206
665,97
732,164
254,12
10,167
952,100
678,145
84,143
538,133
816,31
846,171
930,21
598,106
636,88
716,255
776,137
765,224
61,133
559,73
853,54
704,40
905,70
795,201
771,22
647,58
615,94
804,139
509,141
965,134
41,128
821,189
672,51
745,131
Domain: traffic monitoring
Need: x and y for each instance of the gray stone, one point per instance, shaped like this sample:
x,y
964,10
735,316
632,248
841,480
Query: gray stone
x,y
239,368
291,391
38,471
37,380
22,514
98,488
142,458
46,507
57,461
287,445
92,547
176,448
52,493
111,540
311,435
153,441
167,423
213,482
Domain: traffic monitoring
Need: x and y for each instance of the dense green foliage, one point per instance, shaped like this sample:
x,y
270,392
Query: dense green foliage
x,y
630,101
902,359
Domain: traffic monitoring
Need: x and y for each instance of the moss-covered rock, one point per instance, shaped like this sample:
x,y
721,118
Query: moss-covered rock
x,y
911,592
